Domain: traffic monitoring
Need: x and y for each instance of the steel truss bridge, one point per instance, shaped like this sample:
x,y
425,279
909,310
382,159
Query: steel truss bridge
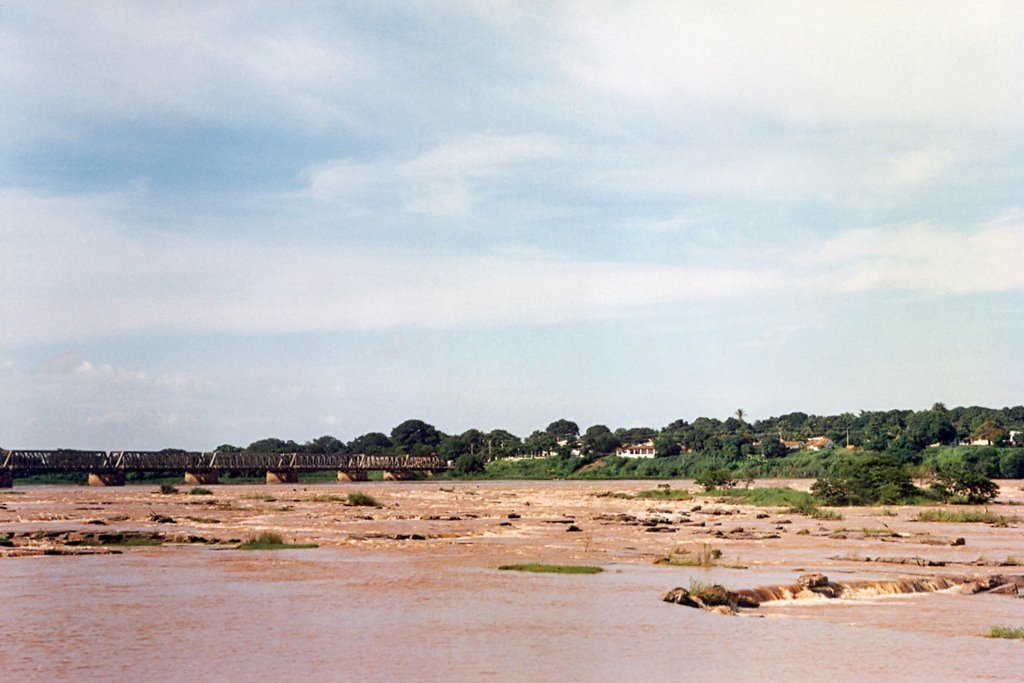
x,y
25,463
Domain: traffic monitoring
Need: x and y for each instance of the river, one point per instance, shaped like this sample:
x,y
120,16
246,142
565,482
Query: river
x,y
364,607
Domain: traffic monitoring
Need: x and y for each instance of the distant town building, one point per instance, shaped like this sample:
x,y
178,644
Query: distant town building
x,y
637,450
820,443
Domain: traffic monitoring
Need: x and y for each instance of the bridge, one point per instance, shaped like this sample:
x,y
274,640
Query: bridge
x,y
109,468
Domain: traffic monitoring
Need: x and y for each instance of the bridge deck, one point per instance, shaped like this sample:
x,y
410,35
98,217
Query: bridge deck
x,y
25,462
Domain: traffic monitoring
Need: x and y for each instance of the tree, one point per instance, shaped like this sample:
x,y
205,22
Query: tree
x,y
771,447
273,445
371,443
502,444
716,478
740,415
928,427
324,444
470,463
227,448
665,447
473,440
990,430
563,430
540,443
599,440
960,483
866,480
416,437
635,435
1011,464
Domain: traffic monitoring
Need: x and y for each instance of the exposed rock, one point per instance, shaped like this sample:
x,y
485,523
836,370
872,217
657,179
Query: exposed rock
x,y
680,596
1004,589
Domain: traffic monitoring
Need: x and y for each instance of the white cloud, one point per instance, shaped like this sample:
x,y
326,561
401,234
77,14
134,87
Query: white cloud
x,y
216,62
121,282
447,180
921,257
847,63
919,166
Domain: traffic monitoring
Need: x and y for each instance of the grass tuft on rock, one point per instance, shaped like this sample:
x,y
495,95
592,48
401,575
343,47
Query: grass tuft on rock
x,y
200,491
682,557
271,540
552,568
1008,632
359,498
168,489
768,496
325,498
964,516
711,595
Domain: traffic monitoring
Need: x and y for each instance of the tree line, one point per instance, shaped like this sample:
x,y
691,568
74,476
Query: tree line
x,y
900,432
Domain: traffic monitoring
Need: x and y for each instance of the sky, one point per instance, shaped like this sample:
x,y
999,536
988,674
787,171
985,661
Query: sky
x,y
224,221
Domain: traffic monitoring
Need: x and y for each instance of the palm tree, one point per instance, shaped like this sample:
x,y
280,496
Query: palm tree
x,y
740,415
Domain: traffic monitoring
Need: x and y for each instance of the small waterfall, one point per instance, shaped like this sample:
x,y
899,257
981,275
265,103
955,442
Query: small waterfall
x,y
770,593
872,588
716,597
818,586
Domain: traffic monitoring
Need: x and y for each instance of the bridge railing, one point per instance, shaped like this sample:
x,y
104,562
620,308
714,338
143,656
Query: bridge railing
x,y
37,462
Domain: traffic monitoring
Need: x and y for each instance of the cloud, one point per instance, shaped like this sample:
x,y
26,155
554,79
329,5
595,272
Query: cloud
x,y
121,282
919,166
807,63
447,180
211,62
921,257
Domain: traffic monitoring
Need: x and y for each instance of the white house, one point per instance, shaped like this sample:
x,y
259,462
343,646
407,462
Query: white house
x,y
820,443
638,450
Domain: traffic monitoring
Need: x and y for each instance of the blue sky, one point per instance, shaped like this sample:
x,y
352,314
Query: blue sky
x,y
225,221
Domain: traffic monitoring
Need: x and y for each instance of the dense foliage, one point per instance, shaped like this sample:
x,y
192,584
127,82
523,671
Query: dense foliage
x,y
874,456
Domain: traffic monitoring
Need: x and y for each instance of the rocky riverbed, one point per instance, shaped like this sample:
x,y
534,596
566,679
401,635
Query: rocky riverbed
x,y
448,539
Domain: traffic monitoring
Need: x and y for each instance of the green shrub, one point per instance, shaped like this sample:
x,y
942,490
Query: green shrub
x,y
1005,632
866,479
470,463
200,491
964,516
712,595
768,496
960,484
716,478
271,540
359,498
664,494
1011,464
168,488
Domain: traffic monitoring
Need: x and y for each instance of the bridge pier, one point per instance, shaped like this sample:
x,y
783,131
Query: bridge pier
x,y
6,479
106,479
201,478
398,475
352,475
282,477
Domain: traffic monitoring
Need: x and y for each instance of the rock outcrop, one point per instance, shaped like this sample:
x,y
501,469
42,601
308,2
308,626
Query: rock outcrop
x,y
816,585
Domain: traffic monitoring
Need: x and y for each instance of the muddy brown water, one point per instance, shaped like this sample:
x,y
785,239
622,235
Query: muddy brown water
x,y
411,591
